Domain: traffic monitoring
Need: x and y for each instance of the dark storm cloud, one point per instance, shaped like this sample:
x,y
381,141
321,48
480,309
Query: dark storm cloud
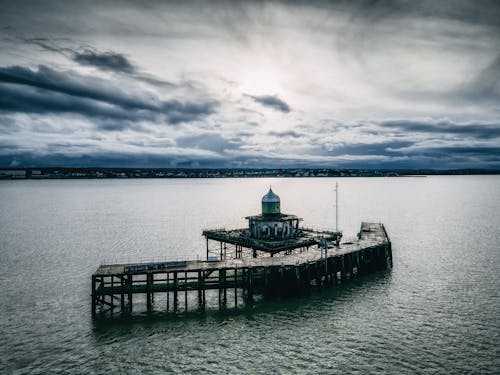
x,y
29,100
447,151
178,112
463,10
8,125
445,127
388,148
337,59
411,144
486,84
451,156
208,141
271,101
110,61
71,83
47,90
105,159
51,45
85,55
105,61
286,133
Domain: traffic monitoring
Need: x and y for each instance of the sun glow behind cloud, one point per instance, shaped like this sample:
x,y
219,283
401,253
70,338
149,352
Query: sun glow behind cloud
x,y
260,82
251,84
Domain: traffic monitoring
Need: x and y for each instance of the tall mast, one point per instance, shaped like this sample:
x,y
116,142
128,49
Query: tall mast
x,y
336,206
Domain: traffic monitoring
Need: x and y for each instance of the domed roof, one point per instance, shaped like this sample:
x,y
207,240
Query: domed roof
x,y
270,197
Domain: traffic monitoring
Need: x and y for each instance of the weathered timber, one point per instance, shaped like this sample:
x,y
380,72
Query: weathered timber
x,y
290,274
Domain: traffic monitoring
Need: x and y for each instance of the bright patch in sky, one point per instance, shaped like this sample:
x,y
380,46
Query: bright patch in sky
x,y
362,84
260,83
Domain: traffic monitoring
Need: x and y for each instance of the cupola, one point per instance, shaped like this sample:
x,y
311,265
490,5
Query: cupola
x,y
270,203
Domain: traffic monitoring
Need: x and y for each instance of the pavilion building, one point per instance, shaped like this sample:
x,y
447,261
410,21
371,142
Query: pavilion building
x,y
269,233
272,224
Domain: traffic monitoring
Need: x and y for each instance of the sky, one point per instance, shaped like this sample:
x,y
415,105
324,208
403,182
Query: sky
x,y
253,84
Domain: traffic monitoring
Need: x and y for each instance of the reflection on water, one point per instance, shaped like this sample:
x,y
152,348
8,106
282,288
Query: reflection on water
x,y
294,305
436,311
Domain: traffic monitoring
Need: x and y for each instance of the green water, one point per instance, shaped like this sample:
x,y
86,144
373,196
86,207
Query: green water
x,y
436,311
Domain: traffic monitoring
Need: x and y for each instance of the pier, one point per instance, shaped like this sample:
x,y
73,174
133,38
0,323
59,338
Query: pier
x,y
320,260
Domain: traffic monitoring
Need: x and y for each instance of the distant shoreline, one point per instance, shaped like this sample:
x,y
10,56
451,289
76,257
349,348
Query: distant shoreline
x,y
120,173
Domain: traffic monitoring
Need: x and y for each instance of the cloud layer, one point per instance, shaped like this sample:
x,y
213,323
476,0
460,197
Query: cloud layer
x,y
48,91
385,84
105,60
271,101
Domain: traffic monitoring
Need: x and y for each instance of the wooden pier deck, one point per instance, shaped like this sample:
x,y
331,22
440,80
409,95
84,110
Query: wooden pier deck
x,y
114,285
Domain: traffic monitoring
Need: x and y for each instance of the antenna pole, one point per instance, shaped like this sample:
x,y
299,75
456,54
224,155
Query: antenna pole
x,y
336,206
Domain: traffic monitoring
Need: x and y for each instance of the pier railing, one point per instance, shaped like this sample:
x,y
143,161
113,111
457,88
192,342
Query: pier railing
x,y
194,281
138,260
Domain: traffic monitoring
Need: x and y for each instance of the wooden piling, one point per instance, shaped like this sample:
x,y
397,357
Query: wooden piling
x,y
176,286
168,293
199,289
236,287
266,275
185,291
94,296
129,297
149,282
224,287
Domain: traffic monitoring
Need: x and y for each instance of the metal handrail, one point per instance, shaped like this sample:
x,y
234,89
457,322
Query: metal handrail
x,y
141,260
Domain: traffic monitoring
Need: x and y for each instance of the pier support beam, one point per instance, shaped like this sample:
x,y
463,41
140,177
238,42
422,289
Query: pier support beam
x,y
283,276
250,284
185,291
200,285
236,287
129,297
203,291
149,282
224,287
94,296
342,268
176,286
168,293
122,294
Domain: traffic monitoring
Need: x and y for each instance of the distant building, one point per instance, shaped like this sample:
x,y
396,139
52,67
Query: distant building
x,y
12,173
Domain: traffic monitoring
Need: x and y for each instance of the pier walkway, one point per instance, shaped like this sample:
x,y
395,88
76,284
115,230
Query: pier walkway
x,y
114,285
